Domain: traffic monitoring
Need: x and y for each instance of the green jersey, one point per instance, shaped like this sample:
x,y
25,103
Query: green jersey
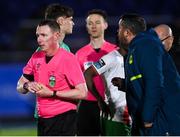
x,y
64,46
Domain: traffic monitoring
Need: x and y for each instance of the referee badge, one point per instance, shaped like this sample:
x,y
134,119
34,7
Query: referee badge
x,y
52,81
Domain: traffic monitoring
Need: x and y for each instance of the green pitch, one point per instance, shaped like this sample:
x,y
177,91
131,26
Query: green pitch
x,y
18,132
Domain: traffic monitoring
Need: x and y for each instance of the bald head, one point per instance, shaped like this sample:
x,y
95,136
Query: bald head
x,y
165,35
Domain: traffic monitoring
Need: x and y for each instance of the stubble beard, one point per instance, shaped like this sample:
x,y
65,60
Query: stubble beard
x,y
123,43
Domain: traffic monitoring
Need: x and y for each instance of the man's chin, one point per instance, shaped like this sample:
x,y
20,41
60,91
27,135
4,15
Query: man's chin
x,y
95,36
42,48
68,33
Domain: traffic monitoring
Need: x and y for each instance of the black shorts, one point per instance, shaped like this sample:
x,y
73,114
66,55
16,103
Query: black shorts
x,y
60,125
88,121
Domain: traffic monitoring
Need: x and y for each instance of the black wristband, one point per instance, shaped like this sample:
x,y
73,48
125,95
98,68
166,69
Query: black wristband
x,y
54,93
25,86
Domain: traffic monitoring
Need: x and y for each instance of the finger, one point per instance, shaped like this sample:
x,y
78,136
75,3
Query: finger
x,y
37,86
32,90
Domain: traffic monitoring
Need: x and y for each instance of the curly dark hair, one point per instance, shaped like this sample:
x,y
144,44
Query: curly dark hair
x,y
56,10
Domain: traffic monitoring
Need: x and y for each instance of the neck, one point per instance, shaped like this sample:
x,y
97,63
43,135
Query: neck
x,y
122,51
131,38
52,51
61,38
97,42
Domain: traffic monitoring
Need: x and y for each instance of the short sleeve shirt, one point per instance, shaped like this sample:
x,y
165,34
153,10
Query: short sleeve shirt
x,y
86,56
112,65
64,70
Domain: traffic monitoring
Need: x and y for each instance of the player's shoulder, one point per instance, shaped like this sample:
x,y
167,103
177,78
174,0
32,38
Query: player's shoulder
x,y
38,54
65,53
110,44
107,46
84,49
113,53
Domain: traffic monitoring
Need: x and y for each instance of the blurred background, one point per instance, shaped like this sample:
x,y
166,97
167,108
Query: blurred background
x,y
19,19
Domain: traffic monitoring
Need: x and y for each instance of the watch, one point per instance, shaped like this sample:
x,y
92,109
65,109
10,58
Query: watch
x,y
25,86
54,94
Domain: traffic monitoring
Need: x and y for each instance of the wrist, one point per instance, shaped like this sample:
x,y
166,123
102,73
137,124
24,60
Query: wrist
x,y
54,94
25,86
99,98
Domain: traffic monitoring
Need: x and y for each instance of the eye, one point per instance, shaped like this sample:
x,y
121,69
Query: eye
x,y
98,22
90,23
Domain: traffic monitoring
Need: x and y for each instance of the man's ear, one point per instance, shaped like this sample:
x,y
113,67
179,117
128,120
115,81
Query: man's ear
x,y
60,20
127,33
57,35
105,25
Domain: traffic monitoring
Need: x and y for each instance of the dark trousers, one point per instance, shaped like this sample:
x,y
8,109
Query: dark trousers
x,y
60,125
88,119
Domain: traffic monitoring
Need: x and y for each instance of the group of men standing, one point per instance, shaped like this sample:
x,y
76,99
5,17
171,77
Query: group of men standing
x,y
134,82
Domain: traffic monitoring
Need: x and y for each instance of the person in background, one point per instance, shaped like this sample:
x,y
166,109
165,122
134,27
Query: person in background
x,y
152,80
109,66
165,35
49,76
63,15
89,111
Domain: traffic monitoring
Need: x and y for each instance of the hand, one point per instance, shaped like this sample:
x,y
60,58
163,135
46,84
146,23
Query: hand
x,y
33,86
148,125
44,91
105,108
119,82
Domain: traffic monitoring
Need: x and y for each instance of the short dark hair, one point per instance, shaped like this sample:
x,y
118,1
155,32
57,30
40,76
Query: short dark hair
x,y
55,10
134,22
51,23
99,12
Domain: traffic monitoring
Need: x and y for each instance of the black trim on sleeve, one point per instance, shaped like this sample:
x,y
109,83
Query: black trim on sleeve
x,y
29,77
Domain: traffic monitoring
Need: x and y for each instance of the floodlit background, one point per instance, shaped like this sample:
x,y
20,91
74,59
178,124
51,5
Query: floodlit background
x,y
18,41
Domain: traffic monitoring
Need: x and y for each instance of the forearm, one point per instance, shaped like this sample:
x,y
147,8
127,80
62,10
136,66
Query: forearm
x,y
89,74
151,104
95,93
151,66
79,92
